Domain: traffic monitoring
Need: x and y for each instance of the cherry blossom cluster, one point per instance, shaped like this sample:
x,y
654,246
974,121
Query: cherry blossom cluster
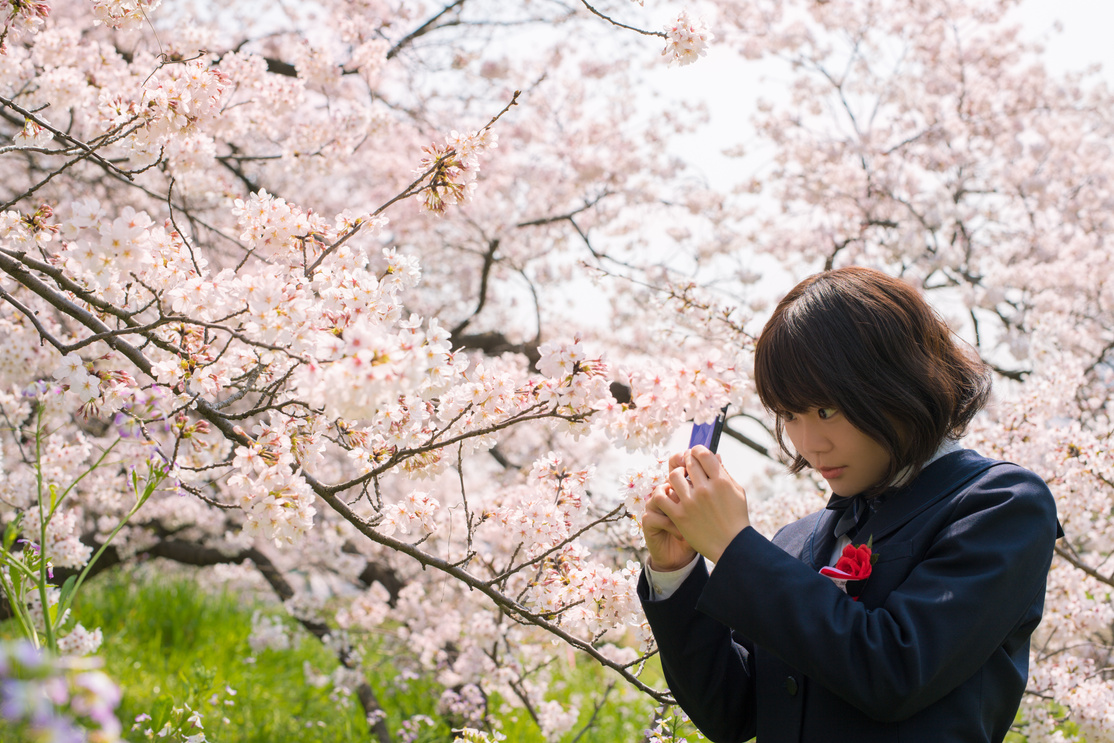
x,y
33,134
28,230
22,17
120,13
176,102
574,380
548,509
687,40
74,375
63,546
1082,693
468,704
276,500
413,514
590,597
367,611
373,365
452,167
693,389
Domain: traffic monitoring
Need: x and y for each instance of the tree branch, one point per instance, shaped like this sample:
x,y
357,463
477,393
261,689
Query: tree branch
x,y
614,22
424,29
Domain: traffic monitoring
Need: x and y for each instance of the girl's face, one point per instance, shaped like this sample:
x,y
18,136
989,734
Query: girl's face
x,y
846,457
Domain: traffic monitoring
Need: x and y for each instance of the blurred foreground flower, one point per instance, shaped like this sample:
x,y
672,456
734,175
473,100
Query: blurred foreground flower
x,y
57,699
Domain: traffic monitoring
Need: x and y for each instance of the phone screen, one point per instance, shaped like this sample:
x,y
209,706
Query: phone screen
x,y
707,434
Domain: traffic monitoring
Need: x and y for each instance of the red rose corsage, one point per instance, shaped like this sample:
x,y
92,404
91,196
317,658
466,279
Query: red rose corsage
x,y
852,569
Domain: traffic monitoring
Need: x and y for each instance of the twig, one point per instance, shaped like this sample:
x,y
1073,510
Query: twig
x,y
61,135
423,29
614,22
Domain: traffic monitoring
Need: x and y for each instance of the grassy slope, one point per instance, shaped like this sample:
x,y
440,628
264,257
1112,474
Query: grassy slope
x,y
169,643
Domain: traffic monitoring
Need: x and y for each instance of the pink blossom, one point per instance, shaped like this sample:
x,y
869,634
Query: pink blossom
x,y
687,40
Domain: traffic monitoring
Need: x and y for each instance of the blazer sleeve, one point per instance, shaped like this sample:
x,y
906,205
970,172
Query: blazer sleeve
x,y
978,581
710,673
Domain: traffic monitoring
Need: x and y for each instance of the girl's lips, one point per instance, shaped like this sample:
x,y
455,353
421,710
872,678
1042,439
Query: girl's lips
x,y
830,472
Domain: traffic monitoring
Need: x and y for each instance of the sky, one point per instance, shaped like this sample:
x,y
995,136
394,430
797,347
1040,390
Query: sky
x,y
1085,38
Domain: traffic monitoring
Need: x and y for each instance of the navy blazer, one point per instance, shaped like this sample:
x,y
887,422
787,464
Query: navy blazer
x,y
935,649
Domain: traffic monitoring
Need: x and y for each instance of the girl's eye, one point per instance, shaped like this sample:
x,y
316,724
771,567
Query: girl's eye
x,y
826,413
787,416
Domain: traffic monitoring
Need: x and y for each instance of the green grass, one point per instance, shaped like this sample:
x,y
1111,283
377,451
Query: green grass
x,y
169,643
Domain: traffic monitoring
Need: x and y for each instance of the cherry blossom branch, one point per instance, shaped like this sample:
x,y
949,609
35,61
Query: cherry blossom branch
x,y
614,22
493,343
21,274
336,245
608,517
208,411
432,445
485,275
424,29
50,176
747,441
33,317
136,357
588,204
63,136
66,284
1075,561
512,607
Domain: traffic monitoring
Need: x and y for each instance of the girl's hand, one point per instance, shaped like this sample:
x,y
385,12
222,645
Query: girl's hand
x,y
706,506
668,549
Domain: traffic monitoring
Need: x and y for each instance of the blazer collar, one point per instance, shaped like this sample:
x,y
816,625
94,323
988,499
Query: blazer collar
x,y
936,481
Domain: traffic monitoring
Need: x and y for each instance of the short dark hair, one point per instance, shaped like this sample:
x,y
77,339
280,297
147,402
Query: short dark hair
x,y
870,345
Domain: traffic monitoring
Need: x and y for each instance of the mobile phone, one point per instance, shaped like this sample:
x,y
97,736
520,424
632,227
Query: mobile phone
x,y
707,434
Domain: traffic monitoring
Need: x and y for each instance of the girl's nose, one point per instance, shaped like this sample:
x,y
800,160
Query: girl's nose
x,y
814,440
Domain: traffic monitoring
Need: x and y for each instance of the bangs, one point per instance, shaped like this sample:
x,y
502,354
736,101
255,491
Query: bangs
x,y
793,372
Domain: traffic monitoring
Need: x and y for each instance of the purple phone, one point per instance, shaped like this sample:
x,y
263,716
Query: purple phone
x,y
707,434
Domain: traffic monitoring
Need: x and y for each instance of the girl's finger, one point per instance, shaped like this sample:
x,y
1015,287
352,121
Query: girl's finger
x,y
696,472
680,483
657,521
704,461
665,505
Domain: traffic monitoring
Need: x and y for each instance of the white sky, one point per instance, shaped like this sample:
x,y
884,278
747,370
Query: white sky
x,y
1086,32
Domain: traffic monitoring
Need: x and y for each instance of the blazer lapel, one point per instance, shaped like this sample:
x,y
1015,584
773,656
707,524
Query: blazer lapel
x,y
810,540
937,481
823,540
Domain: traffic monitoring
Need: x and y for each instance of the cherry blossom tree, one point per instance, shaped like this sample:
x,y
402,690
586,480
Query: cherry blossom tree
x,y
260,262
410,297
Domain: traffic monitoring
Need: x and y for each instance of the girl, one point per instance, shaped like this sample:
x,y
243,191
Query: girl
x,y
872,391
